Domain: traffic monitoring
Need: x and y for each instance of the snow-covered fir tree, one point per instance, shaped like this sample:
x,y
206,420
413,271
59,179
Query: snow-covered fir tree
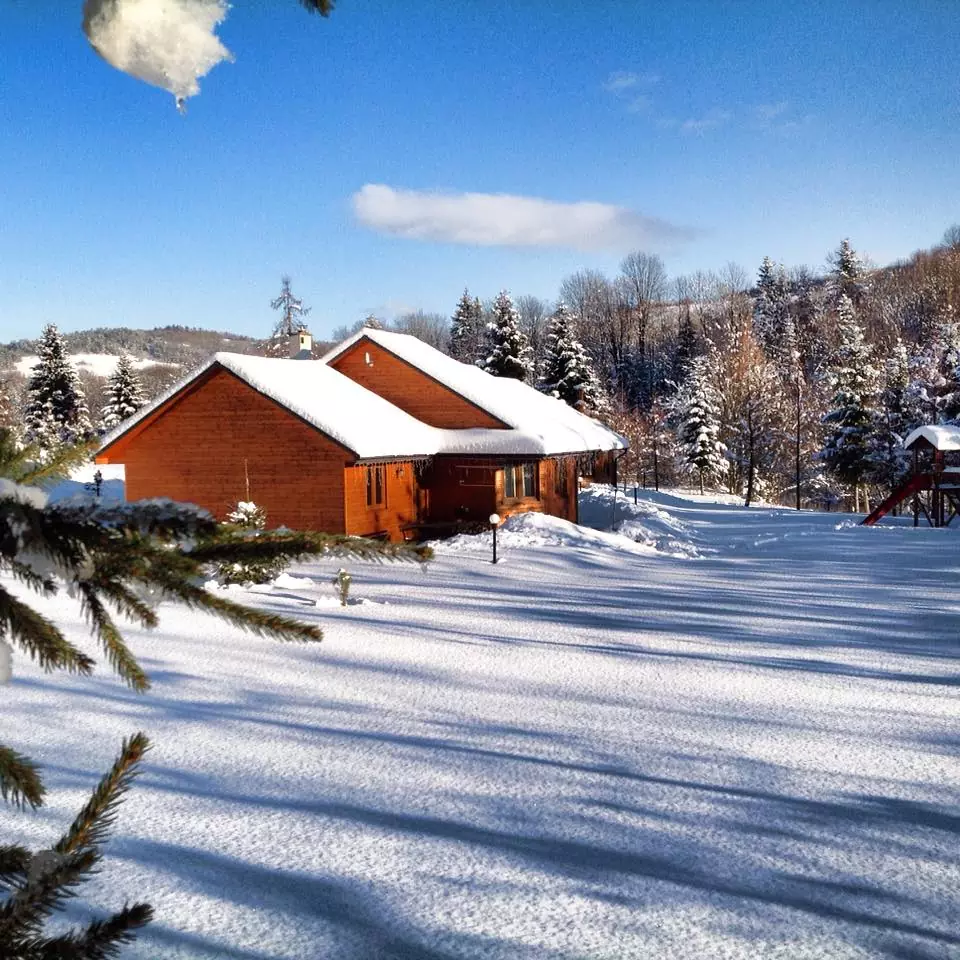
x,y
508,354
849,423
292,319
567,370
9,416
247,515
890,463
772,320
697,414
56,410
466,330
848,274
933,392
123,394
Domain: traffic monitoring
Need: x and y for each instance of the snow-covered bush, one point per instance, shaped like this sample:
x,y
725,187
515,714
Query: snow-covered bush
x,y
248,516
342,583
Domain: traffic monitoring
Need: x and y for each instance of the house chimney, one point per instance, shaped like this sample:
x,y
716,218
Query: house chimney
x,y
301,345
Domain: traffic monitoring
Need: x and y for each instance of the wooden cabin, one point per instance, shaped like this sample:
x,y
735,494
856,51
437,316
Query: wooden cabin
x,y
364,442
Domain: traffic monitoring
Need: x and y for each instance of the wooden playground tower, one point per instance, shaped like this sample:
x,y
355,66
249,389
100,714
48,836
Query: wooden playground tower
x,y
933,487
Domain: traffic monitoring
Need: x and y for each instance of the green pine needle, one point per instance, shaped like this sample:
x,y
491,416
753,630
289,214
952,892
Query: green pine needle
x,y
19,780
14,863
89,829
102,939
118,653
39,637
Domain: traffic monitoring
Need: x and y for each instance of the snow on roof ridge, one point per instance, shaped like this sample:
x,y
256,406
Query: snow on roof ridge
x,y
512,402
943,437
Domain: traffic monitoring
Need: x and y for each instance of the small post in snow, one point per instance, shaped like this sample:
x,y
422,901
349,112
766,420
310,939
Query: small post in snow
x,y
494,523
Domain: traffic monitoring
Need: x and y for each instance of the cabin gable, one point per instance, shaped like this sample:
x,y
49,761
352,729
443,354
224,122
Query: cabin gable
x,y
219,440
409,388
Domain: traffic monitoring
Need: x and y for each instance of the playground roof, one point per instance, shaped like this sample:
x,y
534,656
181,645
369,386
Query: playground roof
x,y
939,437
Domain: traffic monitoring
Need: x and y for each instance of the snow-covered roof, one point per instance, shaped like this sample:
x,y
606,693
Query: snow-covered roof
x,y
555,424
361,421
939,437
365,423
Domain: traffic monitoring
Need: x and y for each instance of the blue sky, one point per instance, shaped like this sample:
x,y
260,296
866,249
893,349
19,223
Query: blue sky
x,y
342,151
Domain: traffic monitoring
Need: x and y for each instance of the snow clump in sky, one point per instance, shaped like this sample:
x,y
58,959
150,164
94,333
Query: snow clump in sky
x,y
167,43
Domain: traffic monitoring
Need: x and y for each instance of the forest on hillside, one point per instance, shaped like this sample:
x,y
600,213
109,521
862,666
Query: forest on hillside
x,y
789,385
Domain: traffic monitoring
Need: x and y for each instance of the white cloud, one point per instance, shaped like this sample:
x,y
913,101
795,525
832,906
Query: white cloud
x,y
621,80
709,121
500,219
770,111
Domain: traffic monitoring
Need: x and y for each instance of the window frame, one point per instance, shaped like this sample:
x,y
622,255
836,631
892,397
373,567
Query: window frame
x,y
376,478
518,478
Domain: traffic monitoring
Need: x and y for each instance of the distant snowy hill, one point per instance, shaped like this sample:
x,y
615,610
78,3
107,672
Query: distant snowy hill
x,y
99,364
95,351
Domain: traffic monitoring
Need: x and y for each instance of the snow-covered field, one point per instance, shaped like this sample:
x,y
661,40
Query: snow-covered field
x,y
734,733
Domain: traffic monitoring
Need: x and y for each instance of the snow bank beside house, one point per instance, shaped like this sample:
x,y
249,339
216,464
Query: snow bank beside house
x,y
526,530
645,522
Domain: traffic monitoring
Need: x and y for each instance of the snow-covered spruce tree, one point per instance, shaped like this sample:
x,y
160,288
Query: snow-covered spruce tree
x,y
773,323
698,426
56,410
122,558
803,427
849,423
292,319
9,417
508,354
466,330
847,276
567,370
248,516
123,394
890,463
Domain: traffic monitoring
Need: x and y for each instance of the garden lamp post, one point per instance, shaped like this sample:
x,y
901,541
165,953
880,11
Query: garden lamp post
x,y
494,523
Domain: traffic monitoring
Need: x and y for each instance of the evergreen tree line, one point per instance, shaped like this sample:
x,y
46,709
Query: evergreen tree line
x,y
797,387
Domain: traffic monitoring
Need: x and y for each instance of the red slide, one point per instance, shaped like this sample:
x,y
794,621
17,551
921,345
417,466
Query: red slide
x,y
919,481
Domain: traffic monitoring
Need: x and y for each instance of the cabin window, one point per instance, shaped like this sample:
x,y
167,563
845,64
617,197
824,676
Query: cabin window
x,y
520,481
529,471
509,484
560,478
376,485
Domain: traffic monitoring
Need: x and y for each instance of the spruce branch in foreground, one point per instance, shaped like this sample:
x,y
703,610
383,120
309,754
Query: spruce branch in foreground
x,y
122,559
39,884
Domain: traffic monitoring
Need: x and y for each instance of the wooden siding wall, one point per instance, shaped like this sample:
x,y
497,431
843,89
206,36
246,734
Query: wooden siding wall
x,y
409,388
399,508
550,502
195,451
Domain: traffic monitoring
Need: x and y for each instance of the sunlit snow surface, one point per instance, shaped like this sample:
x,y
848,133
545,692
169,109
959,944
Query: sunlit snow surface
x,y
590,750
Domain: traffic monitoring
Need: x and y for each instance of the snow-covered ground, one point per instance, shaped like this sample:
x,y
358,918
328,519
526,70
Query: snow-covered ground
x,y
729,733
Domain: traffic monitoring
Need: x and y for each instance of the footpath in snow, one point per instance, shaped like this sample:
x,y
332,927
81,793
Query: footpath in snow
x,y
713,732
